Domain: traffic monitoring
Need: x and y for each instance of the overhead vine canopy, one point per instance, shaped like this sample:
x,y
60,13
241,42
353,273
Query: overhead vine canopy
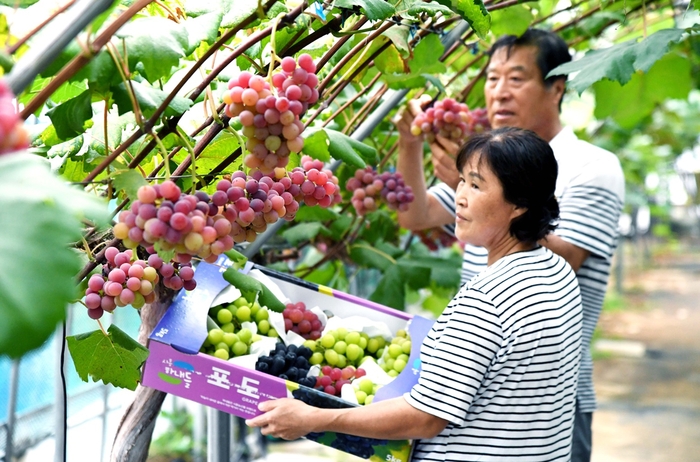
x,y
138,97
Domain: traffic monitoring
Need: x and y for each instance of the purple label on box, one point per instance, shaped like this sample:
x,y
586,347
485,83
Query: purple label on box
x,y
210,381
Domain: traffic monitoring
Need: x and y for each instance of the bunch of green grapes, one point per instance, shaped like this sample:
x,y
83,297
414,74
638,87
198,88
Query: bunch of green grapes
x,y
394,356
229,338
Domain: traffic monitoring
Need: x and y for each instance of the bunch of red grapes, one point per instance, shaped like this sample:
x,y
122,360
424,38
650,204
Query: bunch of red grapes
x,y
450,119
124,281
301,321
319,186
270,118
369,187
13,135
332,379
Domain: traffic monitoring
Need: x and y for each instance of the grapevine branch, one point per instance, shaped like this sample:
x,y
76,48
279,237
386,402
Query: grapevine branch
x,y
77,63
15,46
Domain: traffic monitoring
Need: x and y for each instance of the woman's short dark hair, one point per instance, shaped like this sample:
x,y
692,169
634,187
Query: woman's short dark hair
x,y
525,165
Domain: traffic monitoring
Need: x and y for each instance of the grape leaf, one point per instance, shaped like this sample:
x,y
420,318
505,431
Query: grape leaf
x,y
473,11
416,7
374,9
365,254
316,145
59,152
350,151
382,227
69,118
149,100
620,61
18,3
156,43
37,266
238,13
128,181
637,99
305,232
444,271
316,214
513,20
390,61
204,28
425,62
115,127
391,290
399,37
195,8
115,359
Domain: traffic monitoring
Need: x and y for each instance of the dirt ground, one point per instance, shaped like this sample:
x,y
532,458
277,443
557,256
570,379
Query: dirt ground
x,y
647,367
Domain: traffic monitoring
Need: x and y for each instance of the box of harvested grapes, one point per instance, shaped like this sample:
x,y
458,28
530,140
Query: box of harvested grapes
x,y
179,364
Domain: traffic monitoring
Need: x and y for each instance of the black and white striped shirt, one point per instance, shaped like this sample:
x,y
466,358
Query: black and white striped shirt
x,y
501,364
590,190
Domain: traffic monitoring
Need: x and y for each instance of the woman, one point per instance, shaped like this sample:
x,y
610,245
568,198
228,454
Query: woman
x,y
500,365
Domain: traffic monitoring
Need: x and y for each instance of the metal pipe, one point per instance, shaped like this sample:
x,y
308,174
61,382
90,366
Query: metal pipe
x,y
11,405
219,440
60,393
42,54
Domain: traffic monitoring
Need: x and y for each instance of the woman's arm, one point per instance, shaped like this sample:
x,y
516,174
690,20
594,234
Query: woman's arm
x,y
392,419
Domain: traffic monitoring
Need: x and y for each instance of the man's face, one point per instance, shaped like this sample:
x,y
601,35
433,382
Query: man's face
x,y
516,95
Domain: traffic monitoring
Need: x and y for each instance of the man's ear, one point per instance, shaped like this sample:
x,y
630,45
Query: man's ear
x,y
558,88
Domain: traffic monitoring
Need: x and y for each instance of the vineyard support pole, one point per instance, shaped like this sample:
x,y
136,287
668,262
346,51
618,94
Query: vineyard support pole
x,y
60,393
11,405
219,439
41,55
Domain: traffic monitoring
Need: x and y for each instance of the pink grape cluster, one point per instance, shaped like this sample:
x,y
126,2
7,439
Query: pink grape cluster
x,y
13,135
253,202
452,120
189,224
271,121
478,121
125,281
332,379
301,321
447,118
319,186
368,186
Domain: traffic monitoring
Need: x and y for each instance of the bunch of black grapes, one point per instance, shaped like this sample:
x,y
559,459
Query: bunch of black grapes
x,y
288,363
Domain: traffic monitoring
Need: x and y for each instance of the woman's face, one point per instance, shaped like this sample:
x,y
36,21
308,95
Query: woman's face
x,y
483,215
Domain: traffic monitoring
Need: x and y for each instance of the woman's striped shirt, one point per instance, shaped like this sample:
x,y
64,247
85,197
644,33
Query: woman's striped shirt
x,y
501,364
590,190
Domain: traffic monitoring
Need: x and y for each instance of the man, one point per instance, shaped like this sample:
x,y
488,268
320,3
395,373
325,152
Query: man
x,y
590,184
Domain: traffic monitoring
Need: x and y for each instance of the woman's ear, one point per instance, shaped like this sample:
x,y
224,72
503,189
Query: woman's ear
x,y
517,212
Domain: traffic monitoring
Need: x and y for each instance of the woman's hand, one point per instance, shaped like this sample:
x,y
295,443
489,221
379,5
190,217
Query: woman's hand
x,y
284,418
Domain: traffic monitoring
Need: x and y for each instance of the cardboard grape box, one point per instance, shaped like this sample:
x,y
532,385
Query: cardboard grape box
x,y
176,366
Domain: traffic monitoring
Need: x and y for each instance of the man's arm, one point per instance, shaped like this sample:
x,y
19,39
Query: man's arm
x,y
573,254
425,211
444,154
392,419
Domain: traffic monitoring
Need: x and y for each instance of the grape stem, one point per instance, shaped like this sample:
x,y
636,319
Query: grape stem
x,y
190,150
164,152
273,55
121,67
102,328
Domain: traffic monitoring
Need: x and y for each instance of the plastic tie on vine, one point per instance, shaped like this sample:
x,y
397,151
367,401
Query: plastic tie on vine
x,y
412,29
318,9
